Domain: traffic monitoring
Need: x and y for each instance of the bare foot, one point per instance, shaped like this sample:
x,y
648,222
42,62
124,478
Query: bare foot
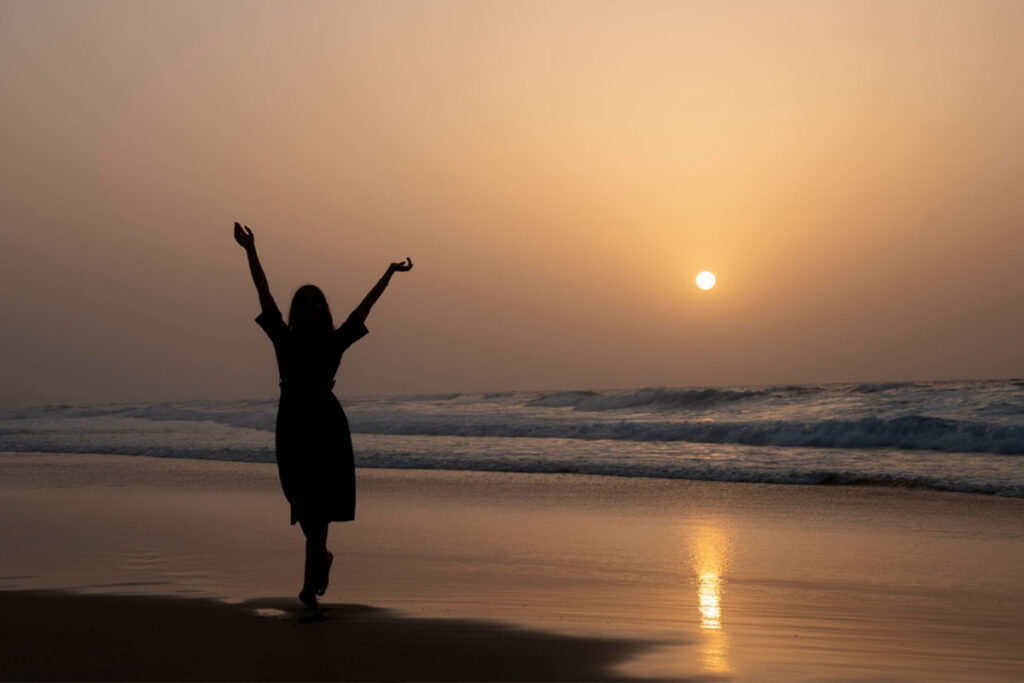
x,y
325,577
308,598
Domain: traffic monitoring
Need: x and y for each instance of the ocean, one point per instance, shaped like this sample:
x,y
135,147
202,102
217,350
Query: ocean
x,y
962,436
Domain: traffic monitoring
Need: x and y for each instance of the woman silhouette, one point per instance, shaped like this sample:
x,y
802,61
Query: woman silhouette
x,y
314,447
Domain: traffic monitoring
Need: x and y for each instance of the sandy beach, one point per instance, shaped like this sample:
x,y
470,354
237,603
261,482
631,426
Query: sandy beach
x,y
134,568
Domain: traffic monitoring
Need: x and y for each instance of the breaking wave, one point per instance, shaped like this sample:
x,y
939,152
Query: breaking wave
x,y
659,398
911,432
950,436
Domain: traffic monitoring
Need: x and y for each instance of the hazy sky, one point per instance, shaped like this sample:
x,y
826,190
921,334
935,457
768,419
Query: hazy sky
x,y
559,172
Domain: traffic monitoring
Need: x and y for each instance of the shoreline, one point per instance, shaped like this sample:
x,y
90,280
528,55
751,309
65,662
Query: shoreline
x,y
828,481
706,579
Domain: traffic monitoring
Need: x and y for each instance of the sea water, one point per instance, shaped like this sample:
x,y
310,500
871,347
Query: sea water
x,y
965,436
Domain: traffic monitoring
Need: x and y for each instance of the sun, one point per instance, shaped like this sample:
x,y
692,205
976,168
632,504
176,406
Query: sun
x,y
705,279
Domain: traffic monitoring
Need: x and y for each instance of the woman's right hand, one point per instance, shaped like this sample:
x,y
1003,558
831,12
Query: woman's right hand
x,y
244,237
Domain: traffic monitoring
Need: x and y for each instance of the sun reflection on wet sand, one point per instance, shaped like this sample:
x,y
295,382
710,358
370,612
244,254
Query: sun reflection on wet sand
x,y
710,553
709,590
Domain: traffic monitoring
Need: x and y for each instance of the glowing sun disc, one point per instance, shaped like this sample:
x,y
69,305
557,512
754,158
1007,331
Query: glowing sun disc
x,y
705,279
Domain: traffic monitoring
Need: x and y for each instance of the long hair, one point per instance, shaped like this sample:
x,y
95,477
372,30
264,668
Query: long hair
x,y
301,319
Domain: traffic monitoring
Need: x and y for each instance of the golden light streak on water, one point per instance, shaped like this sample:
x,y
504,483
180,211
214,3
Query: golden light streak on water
x,y
710,552
709,592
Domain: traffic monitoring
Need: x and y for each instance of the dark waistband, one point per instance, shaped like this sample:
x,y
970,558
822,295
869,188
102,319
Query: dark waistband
x,y
298,386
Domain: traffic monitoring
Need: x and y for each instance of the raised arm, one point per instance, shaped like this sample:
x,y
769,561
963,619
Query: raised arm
x,y
363,309
245,238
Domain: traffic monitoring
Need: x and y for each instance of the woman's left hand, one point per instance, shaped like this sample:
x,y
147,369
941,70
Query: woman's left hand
x,y
401,266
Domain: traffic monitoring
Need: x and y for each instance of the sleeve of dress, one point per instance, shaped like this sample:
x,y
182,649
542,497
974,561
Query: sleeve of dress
x,y
272,323
350,331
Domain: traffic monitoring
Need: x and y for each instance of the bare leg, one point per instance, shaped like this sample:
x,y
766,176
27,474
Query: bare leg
x,y
325,573
316,555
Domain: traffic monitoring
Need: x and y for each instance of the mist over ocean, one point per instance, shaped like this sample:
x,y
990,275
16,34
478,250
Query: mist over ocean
x,y
965,436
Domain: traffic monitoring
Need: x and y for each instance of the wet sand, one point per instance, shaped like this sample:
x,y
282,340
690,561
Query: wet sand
x,y
154,569
149,638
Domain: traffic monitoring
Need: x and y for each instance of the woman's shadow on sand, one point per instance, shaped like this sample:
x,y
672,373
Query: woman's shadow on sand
x,y
51,635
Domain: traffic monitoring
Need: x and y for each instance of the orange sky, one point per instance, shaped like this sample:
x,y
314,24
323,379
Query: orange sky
x,y
559,172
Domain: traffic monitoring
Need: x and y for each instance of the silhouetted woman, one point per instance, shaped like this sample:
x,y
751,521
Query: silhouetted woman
x,y
314,447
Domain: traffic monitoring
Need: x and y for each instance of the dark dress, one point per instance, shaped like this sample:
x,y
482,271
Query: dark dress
x,y
314,447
